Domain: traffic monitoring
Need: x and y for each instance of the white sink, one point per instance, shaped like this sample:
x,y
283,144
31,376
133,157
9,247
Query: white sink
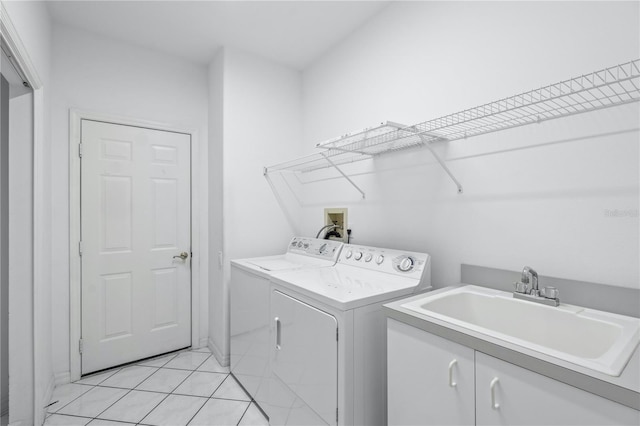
x,y
594,339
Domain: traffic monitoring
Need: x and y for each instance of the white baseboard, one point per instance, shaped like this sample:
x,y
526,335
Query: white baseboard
x,y
222,359
46,398
204,342
62,378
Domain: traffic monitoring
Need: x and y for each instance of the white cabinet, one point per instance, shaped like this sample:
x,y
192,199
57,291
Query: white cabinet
x,y
488,391
430,379
522,397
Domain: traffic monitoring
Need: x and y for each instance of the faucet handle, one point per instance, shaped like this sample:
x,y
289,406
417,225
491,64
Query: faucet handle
x,y
550,292
520,287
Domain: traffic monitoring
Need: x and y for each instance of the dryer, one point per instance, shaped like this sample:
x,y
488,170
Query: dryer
x,y
328,335
249,305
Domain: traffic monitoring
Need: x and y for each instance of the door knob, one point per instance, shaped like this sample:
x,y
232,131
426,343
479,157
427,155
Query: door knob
x,y
182,255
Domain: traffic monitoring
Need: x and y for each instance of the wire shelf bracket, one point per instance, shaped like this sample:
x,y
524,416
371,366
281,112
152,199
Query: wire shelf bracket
x,y
426,139
344,175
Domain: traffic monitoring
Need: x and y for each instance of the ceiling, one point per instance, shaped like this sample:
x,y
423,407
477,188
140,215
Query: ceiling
x,y
294,33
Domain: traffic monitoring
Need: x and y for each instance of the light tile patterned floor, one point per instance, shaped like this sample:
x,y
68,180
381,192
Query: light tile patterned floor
x,y
186,388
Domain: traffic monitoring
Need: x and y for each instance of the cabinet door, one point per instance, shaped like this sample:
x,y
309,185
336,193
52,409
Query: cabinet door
x,y
430,379
510,395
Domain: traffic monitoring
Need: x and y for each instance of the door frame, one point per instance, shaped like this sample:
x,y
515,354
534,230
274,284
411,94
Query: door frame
x,y
75,300
43,380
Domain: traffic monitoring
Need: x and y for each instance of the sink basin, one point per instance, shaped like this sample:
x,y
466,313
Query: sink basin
x,y
597,340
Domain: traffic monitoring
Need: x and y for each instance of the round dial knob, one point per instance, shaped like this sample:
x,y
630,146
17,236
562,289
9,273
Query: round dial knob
x,y
306,245
368,257
322,248
349,254
299,243
406,264
379,259
358,256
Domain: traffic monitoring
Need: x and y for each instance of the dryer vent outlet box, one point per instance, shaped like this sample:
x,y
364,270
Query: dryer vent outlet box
x,y
337,216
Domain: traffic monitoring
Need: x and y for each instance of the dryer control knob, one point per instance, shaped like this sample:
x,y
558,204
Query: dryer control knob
x,y
358,256
380,259
406,264
368,257
349,254
299,243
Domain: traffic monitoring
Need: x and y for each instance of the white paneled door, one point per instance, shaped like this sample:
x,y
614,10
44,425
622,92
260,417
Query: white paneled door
x,y
135,243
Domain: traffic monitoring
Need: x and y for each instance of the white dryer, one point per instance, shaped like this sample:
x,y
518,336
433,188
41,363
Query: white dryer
x,y
249,304
328,336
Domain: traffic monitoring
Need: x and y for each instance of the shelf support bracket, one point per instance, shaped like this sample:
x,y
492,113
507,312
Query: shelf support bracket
x,y
427,143
326,157
444,166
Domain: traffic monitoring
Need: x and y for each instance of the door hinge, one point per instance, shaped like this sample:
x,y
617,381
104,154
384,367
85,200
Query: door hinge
x,y
80,248
80,345
80,150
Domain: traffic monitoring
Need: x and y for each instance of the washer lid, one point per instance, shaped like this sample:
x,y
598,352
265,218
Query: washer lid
x,y
286,262
282,262
346,287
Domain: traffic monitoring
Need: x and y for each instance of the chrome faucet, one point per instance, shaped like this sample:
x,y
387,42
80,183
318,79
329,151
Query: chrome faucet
x,y
530,276
527,289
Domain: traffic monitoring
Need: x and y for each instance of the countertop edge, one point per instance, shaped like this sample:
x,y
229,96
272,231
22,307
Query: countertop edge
x,y
613,392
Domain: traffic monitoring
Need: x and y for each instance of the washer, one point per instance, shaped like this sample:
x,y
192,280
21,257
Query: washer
x,y
328,336
249,303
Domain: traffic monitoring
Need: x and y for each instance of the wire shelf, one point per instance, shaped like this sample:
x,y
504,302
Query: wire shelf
x,y
354,147
606,88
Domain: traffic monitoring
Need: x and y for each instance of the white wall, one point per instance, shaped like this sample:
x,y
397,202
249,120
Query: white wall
x,y
261,122
4,245
534,196
21,272
33,26
97,74
216,318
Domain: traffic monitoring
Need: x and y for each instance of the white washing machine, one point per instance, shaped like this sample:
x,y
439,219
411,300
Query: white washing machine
x,y
249,303
328,336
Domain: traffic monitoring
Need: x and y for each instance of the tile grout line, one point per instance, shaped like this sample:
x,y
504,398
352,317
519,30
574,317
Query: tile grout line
x,y
91,386
171,393
196,413
243,414
166,395
211,397
218,387
130,390
70,415
151,411
118,369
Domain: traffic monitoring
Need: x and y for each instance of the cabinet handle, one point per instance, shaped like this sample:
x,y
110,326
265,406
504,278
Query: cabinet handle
x,y
451,365
492,386
277,320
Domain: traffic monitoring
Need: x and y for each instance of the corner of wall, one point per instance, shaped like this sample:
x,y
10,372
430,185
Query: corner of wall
x,y
223,360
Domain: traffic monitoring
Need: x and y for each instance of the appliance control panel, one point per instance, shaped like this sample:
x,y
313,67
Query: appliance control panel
x,y
324,249
398,262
